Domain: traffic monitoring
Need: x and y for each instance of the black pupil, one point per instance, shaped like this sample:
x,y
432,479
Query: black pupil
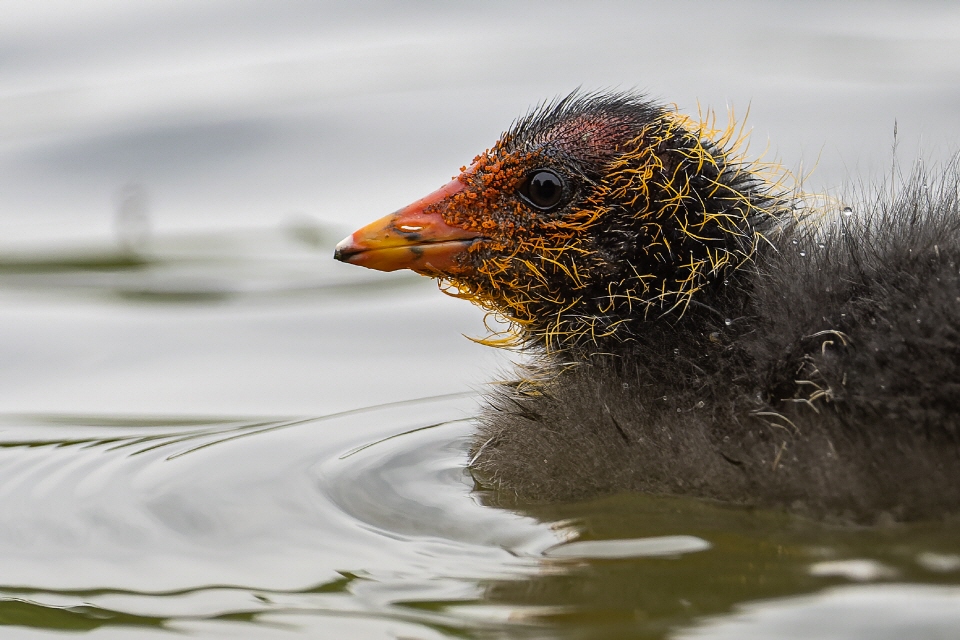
x,y
545,189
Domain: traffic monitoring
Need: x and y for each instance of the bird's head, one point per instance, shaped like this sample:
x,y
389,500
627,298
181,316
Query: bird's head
x,y
588,217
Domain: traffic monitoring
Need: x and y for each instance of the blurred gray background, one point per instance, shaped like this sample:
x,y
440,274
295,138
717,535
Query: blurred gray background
x,y
248,113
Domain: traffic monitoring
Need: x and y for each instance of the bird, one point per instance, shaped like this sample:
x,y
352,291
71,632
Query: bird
x,y
692,323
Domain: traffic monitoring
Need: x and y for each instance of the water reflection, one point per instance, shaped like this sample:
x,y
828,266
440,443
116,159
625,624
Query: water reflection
x,y
754,557
194,267
147,522
364,520
279,525
152,481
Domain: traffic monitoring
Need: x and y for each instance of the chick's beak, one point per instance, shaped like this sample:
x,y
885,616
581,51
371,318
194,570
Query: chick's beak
x,y
412,238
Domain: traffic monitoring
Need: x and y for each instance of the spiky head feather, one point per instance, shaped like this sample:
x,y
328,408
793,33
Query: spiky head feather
x,y
657,210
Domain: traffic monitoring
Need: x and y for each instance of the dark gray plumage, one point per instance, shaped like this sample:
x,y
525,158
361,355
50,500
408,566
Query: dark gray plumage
x,y
691,331
828,382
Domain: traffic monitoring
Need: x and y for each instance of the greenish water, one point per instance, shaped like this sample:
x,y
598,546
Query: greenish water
x,y
210,513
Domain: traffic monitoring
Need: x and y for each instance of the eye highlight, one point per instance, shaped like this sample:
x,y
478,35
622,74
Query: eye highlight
x,y
542,189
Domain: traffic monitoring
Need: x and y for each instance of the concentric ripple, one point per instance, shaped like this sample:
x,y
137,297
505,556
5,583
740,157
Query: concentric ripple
x,y
171,524
366,524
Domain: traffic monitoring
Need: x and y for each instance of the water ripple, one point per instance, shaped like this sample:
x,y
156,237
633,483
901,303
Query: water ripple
x,y
154,522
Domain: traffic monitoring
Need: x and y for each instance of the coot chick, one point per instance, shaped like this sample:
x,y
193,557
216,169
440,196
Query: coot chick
x,y
692,329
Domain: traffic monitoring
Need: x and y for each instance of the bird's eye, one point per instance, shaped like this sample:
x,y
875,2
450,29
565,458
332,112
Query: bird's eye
x,y
542,189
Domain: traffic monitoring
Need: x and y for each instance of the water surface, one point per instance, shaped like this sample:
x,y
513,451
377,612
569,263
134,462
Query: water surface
x,y
210,429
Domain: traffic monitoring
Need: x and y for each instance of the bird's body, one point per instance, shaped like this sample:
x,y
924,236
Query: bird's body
x,y
690,332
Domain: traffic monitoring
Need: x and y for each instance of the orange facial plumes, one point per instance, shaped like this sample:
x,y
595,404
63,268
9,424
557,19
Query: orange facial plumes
x,y
596,214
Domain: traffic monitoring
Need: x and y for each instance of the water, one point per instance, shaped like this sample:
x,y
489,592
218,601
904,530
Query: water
x,y
229,435
184,523
365,524
209,428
